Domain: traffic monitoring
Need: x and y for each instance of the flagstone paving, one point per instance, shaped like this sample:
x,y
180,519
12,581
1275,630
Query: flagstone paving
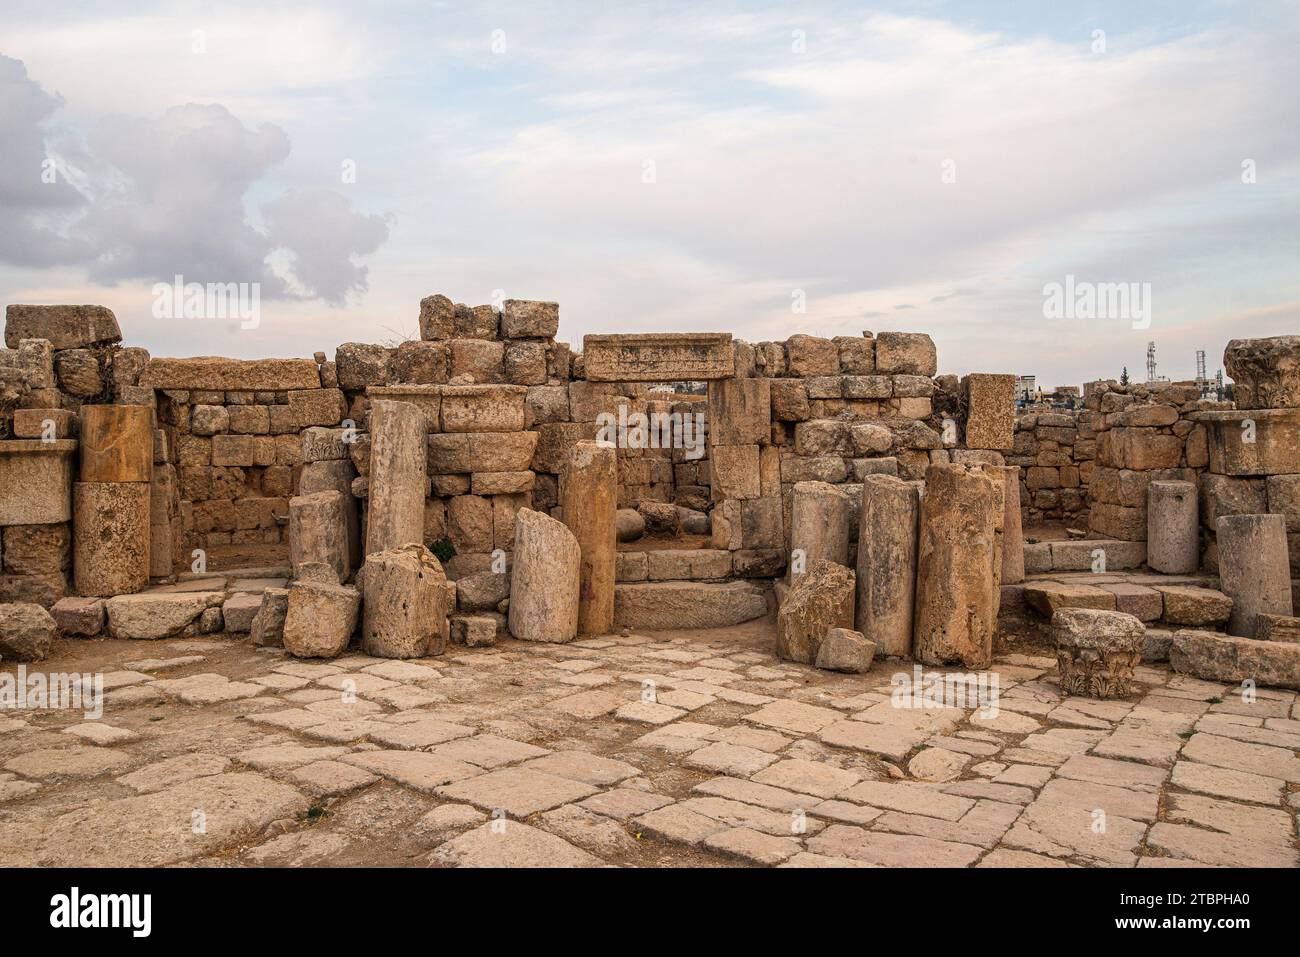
x,y
658,749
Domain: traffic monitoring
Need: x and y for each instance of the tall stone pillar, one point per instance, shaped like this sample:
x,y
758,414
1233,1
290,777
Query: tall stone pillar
x,y
111,510
956,583
819,527
399,455
589,496
1253,569
544,579
1173,528
887,542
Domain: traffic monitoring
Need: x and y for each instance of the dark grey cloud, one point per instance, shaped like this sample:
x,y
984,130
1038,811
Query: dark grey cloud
x,y
322,233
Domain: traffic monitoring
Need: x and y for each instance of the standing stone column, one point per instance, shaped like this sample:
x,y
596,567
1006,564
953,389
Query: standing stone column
x,y
1173,528
887,542
819,527
589,496
111,512
544,579
1253,569
318,532
956,587
399,455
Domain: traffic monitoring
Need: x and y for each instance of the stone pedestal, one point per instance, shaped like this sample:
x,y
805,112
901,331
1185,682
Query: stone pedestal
x,y
1255,442
956,582
110,549
36,481
116,443
399,453
1096,651
887,541
1253,569
318,532
819,527
544,581
588,495
1173,528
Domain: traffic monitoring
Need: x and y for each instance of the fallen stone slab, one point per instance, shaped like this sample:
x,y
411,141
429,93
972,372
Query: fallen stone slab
x,y
238,612
1047,598
845,650
1216,657
1195,606
153,615
676,605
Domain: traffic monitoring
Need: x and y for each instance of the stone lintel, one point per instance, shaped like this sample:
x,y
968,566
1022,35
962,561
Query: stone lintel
x,y
659,357
215,373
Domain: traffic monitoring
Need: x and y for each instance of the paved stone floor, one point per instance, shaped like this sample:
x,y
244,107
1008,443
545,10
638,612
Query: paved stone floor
x,y
665,749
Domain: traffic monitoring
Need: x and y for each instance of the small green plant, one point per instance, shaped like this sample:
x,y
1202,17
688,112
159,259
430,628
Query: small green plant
x,y
1214,700
443,549
313,814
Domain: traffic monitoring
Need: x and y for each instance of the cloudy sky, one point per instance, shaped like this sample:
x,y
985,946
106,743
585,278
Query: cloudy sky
x,y
927,166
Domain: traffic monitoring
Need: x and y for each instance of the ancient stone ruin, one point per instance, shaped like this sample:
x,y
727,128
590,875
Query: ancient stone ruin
x,y
487,485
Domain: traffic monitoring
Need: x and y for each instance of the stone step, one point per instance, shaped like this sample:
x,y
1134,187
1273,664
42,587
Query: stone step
x,y
1174,605
671,605
1081,555
1216,657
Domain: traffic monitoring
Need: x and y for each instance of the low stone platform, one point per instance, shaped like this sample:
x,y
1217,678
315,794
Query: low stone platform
x,y
656,749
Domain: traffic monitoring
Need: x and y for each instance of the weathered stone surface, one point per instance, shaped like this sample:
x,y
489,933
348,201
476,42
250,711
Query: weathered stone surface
x,y
1257,442
116,443
407,598
1275,628
886,562
907,353
1265,372
819,527
483,408
481,452
820,600
740,412
529,319
155,615
1216,657
630,524
398,483
545,579
79,373
110,553
238,612
44,423
1047,598
957,584
1193,605
79,617
1254,570
1096,651
845,650
36,481
658,357
320,619
27,632
318,532
734,472
65,326
673,605
990,410
588,496
234,375
1173,528
267,629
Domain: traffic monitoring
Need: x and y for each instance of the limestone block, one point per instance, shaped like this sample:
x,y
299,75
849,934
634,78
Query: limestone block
x,y
658,357
1224,495
437,318
588,496
79,373
525,363
475,322
734,471
886,562
470,523
789,400
687,564
685,605
820,600
1173,528
420,363
1254,570
528,319
1096,651
545,580
398,486
845,650
819,527
360,365
116,443
483,408
318,532
809,356
66,327
237,375
155,615
740,412
1047,598
319,407
239,610
110,554
957,594
555,441
320,619
407,598
479,359
1215,657
37,549
502,483
911,353
1257,442
44,423
1140,449
1193,605
79,617
630,524
990,410
474,631
267,629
